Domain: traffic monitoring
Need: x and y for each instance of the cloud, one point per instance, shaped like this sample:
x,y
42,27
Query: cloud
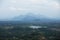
x,y
18,9
44,7
32,4
22,9
39,1
12,8
51,4
13,1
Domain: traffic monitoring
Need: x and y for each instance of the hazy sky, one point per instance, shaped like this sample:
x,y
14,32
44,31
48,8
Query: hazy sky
x,y
12,8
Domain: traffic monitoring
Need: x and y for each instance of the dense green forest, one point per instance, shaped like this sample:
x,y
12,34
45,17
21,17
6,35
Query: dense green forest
x,y
24,32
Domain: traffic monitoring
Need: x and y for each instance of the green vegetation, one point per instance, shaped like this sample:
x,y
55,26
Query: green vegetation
x,y
23,32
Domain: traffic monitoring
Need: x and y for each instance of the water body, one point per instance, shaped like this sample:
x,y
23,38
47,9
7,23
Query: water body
x,y
36,27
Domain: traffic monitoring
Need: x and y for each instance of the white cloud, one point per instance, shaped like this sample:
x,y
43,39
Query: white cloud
x,y
46,4
32,4
12,8
13,1
39,6
18,9
54,5
23,9
39,1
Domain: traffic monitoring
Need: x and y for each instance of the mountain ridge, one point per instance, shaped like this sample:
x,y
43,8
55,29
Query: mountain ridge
x,y
30,17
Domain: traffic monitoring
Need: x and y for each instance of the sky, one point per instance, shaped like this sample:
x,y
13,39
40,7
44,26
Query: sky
x,y
12,8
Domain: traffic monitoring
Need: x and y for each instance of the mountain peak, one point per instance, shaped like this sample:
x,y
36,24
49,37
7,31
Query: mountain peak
x,y
31,17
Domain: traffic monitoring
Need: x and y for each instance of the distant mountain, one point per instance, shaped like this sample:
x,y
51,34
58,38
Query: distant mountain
x,y
30,17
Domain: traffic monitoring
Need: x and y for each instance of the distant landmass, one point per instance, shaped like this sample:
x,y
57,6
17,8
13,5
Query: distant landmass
x,y
30,17
33,18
